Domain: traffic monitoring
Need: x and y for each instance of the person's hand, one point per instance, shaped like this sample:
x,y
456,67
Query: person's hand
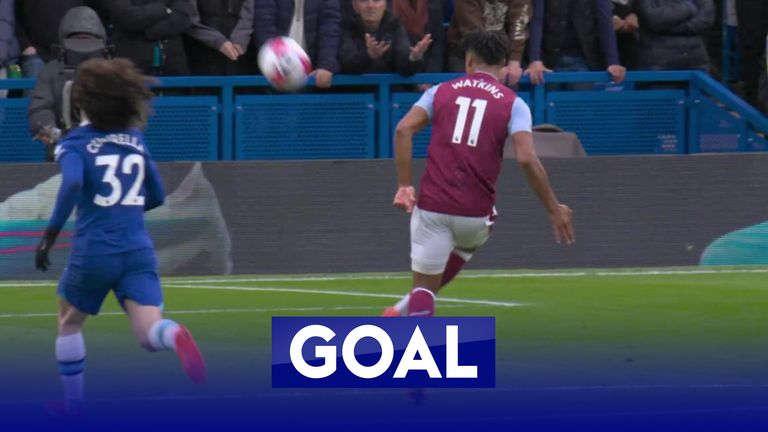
x,y
424,87
42,262
375,48
323,78
229,50
48,135
536,71
617,73
562,224
631,23
513,72
618,24
421,47
29,51
405,198
241,50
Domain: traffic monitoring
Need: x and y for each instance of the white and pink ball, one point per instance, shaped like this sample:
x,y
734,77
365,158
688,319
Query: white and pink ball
x,y
284,63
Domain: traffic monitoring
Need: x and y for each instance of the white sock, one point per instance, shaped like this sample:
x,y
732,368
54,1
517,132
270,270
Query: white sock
x,y
402,305
70,354
162,335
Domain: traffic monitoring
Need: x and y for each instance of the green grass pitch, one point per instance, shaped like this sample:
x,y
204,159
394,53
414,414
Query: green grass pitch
x,y
687,327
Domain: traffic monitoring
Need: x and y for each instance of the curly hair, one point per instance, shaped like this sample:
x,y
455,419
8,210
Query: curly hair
x,y
113,93
492,47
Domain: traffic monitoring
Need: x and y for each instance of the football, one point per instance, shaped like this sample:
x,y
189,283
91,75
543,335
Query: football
x,y
284,63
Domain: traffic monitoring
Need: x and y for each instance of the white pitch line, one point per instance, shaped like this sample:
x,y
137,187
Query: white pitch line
x,y
215,311
478,275
340,293
474,275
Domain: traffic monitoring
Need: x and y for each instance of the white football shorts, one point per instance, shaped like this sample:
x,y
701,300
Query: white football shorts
x,y
435,235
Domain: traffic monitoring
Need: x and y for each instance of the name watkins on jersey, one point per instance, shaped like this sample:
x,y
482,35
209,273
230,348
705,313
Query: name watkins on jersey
x,y
120,139
483,85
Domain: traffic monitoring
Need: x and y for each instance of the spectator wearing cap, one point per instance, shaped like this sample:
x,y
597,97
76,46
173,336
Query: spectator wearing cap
x,y
219,36
51,112
149,32
509,16
671,33
375,41
313,24
37,23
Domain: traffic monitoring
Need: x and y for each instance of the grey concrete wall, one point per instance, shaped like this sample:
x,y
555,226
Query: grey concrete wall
x,y
336,216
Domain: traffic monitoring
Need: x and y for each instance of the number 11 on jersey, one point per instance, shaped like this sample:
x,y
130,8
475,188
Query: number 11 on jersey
x,y
477,119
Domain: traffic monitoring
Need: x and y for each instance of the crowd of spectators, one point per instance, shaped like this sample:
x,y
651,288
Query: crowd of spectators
x,y
221,37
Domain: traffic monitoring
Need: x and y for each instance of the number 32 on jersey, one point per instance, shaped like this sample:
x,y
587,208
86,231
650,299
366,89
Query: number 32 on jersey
x,y
461,121
132,197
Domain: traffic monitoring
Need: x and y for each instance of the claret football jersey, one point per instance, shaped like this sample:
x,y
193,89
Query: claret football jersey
x,y
471,117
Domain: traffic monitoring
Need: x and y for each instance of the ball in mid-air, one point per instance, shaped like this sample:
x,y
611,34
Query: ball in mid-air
x,y
284,63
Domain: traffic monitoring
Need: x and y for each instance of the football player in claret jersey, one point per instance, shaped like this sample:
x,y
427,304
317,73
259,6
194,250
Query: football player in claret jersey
x,y
471,117
108,175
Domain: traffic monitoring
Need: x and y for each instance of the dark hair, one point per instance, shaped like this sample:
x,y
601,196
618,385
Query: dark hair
x,y
113,93
492,47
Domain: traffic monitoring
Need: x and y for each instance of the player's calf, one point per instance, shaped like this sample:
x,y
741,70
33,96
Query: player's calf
x,y
422,303
70,356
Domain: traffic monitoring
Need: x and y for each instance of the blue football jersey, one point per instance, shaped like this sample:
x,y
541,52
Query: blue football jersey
x,y
112,180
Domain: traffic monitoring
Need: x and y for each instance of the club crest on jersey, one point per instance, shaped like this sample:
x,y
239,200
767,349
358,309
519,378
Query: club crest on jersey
x,y
120,139
383,352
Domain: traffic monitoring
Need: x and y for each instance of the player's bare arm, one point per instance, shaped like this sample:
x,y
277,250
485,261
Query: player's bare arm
x,y
416,120
560,215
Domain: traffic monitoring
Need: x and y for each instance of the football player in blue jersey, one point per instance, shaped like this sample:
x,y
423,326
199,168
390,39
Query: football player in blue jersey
x,y
108,175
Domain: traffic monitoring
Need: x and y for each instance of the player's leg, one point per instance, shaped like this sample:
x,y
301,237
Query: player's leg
x,y
456,261
82,289
70,356
431,245
471,234
140,294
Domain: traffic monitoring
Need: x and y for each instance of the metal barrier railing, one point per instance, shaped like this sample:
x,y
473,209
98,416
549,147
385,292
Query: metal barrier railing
x,y
655,112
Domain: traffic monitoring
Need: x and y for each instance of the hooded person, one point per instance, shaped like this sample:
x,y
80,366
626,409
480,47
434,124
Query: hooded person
x,y
51,113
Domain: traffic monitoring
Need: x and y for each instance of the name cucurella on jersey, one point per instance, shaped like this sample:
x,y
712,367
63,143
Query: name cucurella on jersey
x,y
120,139
483,85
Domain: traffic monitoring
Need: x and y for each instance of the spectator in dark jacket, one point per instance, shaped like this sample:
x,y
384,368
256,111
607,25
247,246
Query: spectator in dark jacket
x,y
37,24
573,35
9,46
374,41
671,33
51,112
319,35
148,32
509,16
627,26
219,37
421,18
753,29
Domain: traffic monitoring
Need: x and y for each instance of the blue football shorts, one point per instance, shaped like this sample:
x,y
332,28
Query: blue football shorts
x,y
87,280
